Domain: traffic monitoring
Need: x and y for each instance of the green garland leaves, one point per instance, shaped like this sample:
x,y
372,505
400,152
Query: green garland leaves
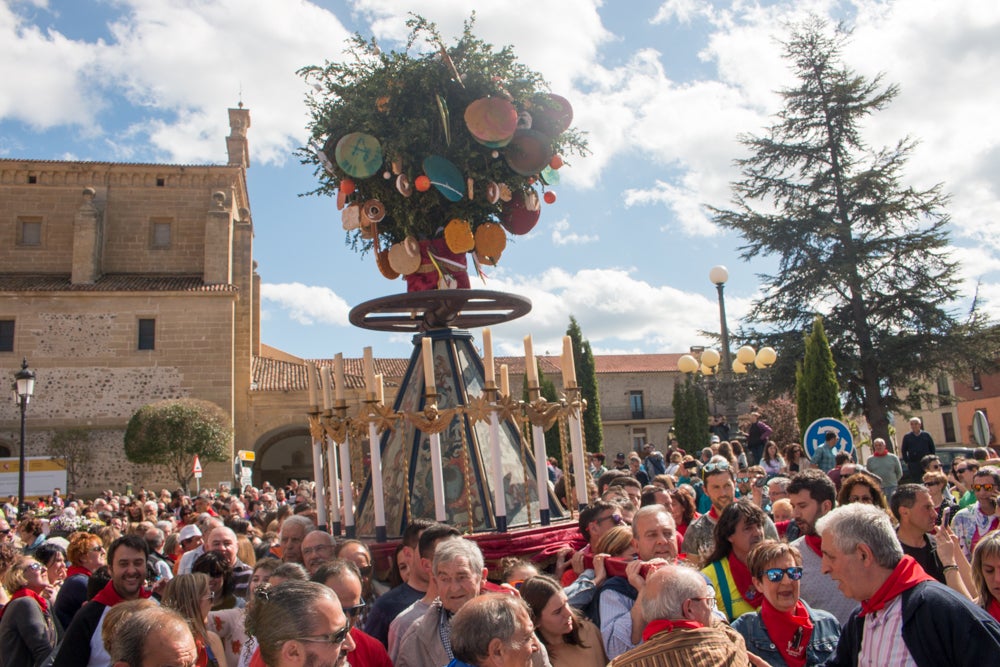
x,y
414,104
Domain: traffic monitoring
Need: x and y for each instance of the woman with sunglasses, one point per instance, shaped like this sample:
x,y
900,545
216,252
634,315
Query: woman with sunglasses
x,y
190,596
864,487
220,580
937,485
86,553
569,637
785,632
27,632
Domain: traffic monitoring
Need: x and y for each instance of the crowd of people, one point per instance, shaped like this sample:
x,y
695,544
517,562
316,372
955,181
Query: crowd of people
x,y
741,556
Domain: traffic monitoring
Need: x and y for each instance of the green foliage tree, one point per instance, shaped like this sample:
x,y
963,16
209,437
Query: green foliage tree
x,y
170,433
548,389
817,393
851,240
73,447
586,377
691,414
780,414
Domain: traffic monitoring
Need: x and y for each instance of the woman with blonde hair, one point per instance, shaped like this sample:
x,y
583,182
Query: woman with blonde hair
x,y
986,573
190,596
27,633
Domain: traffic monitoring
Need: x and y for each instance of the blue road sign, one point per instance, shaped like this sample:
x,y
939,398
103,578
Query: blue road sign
x,y
816,435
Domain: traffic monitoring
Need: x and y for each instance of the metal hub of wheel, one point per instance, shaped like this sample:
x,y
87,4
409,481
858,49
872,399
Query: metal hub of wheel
x,y
437,309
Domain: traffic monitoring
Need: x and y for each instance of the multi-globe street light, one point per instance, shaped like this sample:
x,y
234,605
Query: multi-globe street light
x,y
709,362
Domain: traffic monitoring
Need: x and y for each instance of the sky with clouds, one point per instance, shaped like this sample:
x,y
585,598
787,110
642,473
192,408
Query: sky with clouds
x,y
663,89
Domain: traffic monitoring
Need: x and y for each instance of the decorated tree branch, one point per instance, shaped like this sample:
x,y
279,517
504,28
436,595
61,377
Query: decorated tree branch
x,y
435,154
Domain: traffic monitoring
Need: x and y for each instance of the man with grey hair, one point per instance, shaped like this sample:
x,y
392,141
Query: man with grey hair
x,y
189,557
155,540
459,575
293,530
899,601
152,638
317,547
681,630
494,627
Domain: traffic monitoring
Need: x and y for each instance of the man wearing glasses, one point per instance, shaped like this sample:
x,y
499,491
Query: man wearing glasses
x,y
680,628
596,519
964,471
300,623
344,579
973,522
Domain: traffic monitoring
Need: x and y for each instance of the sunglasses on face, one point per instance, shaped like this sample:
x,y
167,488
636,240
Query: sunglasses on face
x,y
37,567
983,487
933,483
353,612
617,518
960,470
743,480
333,638
776,574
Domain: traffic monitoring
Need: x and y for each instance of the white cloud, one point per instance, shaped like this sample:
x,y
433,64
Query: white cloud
x,y
559,237
684,11
307,304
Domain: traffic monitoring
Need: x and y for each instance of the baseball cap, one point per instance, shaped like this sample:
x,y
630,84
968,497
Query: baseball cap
x,y
620,456
714,439
187,532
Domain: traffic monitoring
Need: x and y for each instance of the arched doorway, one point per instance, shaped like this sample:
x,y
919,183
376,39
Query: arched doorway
x,y
283,454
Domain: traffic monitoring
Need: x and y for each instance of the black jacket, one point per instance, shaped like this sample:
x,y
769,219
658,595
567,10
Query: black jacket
x,y
939,628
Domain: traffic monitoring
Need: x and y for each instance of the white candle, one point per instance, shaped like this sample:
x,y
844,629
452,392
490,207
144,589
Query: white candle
x,y
379,388
333,482
345,482
377,495
569,367
327,390
369,365
499,492
504,380
490,372
530,367
338,372
579,465
541,469
311,379
427,353
317,452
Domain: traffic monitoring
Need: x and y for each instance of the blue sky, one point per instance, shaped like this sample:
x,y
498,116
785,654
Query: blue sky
x,y
663,89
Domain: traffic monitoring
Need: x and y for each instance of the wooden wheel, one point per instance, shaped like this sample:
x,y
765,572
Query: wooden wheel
x,y
438,309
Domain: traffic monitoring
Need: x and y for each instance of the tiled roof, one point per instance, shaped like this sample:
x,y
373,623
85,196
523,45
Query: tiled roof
x,y
8,161
112,282
280,375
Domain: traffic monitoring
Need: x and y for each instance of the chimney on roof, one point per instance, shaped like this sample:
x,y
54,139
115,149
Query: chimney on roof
x,y
88,239
236,142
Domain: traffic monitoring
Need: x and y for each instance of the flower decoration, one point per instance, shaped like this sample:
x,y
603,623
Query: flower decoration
x,y
408,142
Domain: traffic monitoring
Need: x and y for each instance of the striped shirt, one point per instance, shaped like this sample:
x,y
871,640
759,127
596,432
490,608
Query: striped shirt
x,y
882,642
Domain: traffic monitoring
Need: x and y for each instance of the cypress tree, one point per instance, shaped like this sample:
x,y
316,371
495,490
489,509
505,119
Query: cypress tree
x,y
816,390
586,377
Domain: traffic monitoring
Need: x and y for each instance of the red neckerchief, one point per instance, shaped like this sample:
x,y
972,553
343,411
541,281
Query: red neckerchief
x,y
994,609
26,592
109,596
815,542
907,574
656,627
789,630
713,514
73,570
885,453
744,582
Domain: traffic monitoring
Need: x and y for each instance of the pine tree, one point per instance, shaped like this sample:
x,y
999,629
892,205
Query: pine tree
x,y
852,241
817,393
586,375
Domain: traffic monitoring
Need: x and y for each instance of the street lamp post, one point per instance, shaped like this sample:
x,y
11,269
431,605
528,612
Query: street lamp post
x,y
708,361
24,387
719,275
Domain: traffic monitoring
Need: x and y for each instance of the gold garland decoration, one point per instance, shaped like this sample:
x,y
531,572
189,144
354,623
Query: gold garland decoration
x,y
467,465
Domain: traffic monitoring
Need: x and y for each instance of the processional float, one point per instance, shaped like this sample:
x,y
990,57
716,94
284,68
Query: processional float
x,y
421,191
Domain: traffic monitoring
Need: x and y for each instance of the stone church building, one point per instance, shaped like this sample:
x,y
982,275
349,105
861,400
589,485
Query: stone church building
x,y
123,284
